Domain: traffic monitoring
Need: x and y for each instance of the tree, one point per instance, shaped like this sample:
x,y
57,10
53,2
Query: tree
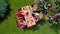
x,y
3,8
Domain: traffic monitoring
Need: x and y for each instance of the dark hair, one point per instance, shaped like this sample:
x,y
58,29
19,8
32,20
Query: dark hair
x,y
33,15
36,11
32,5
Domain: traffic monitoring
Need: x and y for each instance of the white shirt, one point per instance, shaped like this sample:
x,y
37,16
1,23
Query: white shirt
x,y
37,14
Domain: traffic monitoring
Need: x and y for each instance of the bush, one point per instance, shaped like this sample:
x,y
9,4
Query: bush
x,y
3,8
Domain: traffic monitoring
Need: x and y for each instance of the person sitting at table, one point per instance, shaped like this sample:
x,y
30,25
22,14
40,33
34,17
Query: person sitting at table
x,y
18,14
36,17
21,23
32,8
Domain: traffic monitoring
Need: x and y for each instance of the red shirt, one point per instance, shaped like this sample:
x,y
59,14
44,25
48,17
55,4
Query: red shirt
x,y
18,13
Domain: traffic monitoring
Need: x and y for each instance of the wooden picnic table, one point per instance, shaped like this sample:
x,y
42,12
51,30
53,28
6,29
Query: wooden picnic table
x,y
29,18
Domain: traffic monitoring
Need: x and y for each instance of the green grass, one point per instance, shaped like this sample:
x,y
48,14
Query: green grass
x,y
8,26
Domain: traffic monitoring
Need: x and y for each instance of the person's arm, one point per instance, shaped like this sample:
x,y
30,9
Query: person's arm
x,y
15,15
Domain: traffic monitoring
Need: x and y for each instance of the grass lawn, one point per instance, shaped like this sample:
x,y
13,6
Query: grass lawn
x,y
8,26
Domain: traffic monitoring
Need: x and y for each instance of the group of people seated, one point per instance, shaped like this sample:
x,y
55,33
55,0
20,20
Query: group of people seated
x,y
21,22
20,18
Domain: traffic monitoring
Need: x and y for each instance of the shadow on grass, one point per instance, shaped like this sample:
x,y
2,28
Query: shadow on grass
x,y
55,27
6,14
36,27
41,22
